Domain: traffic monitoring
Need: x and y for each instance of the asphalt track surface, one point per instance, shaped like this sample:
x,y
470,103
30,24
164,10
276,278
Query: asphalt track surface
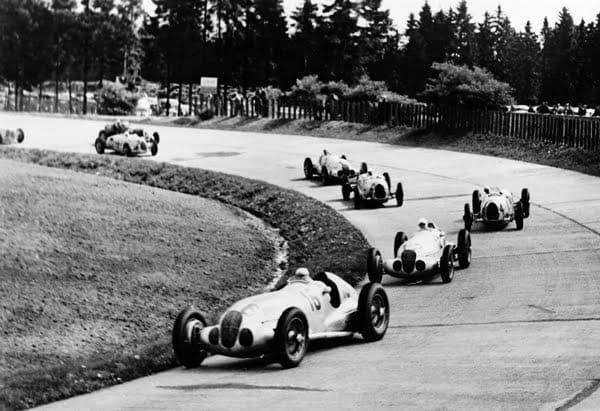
x,y
519,329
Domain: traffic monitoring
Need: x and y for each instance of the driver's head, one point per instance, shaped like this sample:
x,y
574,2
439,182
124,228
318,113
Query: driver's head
x,y
486,189
422,223
325,152
302,273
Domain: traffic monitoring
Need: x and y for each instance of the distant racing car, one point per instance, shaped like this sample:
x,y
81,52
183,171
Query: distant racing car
x,y
330,168
283,322
124,140
497,208
11,136
422,256
372,188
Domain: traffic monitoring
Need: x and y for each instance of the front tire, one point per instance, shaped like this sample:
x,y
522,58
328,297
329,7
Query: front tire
x,y
468,217
186,338
357,199
519,215
308,168
476,201
374,265
100,146
464,249
325,176
154,149
291,338
373,311
525,200
346,191
156,137
399,195
447,264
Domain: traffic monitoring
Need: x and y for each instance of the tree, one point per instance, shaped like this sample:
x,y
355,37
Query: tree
x,y
485,43
305,40
465,36
523,65
462,86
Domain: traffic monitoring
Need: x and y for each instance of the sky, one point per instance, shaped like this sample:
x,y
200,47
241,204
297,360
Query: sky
x,y
518,11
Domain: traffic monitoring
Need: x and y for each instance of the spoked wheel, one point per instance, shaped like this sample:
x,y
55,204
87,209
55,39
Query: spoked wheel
x,y
400,239
186,338
399,195
346,191
291,338
156,137
468,217
464,249
374,265
476,202
374,312
519,215
357,199
154,149
20,135
325,175
100,146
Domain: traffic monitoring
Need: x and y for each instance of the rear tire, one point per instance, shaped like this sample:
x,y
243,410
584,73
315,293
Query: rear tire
x,y
373,311
186,342
20,135
519,215
468,217
476,202
525,200
399,195
400,239
388,181
154,149
291,338
374,265
363,168
308,168
447,264
156,137
464,249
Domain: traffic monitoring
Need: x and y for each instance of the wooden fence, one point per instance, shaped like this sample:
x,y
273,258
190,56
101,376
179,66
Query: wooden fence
x,y
571,131
47,104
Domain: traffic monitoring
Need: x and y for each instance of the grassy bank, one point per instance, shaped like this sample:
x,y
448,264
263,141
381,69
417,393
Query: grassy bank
x,y
317,236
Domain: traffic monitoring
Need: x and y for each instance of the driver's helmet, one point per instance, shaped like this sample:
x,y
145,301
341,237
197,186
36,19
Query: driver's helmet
x,y
325,152
125,125
301,274
431,225
486,189
422,223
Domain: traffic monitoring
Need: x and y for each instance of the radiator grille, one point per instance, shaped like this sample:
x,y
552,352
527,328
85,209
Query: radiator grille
x,y
408,260
230,327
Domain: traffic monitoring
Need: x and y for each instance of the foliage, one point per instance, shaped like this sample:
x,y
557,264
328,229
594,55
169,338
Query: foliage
x,y
465,87
114,99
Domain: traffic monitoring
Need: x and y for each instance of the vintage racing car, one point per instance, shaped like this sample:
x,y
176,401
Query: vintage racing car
x,y
283,322
372,188
497,208
424,255
11,136
122,139
331,167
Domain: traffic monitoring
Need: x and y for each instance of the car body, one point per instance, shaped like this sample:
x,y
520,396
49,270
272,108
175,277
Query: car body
x,y
282,322
372,188
122,139
426,254
330,168
496,207
8,136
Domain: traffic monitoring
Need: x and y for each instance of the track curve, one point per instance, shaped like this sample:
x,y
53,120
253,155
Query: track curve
x,y
519,329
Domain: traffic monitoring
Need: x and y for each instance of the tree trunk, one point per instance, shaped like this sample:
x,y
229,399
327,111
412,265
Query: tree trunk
x,y
190,98
70,91
39,107
168,88
179,95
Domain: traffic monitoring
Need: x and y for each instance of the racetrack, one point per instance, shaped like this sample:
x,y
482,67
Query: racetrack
x,y
519,329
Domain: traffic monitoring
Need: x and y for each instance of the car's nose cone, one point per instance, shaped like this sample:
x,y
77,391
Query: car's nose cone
x,y
230,327
379,192
491,212
408,260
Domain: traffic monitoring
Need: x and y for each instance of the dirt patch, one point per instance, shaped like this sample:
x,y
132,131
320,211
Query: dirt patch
x,y
90,265
538,152
317,237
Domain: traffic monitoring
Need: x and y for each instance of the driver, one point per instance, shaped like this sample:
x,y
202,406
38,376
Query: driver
x,y
302,275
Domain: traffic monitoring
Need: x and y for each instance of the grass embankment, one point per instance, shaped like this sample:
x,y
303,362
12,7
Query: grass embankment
x,y
513,148
84,307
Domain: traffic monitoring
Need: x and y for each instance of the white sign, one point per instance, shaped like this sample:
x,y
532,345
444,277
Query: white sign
x,y
209,82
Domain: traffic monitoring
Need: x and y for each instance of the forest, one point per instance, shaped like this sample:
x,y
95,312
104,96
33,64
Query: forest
x,y
252,43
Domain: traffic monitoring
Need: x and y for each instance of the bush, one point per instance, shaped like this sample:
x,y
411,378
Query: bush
x,y
205,114
464,87
306,89
113,99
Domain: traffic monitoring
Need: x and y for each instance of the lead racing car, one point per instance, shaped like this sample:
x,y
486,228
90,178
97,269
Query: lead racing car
x,y
122,139
283,322
426,254
11,136
497,208
330,168
372,188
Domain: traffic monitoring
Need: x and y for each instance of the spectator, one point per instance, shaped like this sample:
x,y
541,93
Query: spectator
x,y
596,112
582,110
543,109
569,110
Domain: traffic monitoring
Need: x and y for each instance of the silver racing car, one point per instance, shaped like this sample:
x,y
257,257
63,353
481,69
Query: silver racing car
x,y
283,322
11,136
330,168
496,207
122,139
422,256
372,188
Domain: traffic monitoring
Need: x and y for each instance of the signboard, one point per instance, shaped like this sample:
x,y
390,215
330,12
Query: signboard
x,y
208,85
